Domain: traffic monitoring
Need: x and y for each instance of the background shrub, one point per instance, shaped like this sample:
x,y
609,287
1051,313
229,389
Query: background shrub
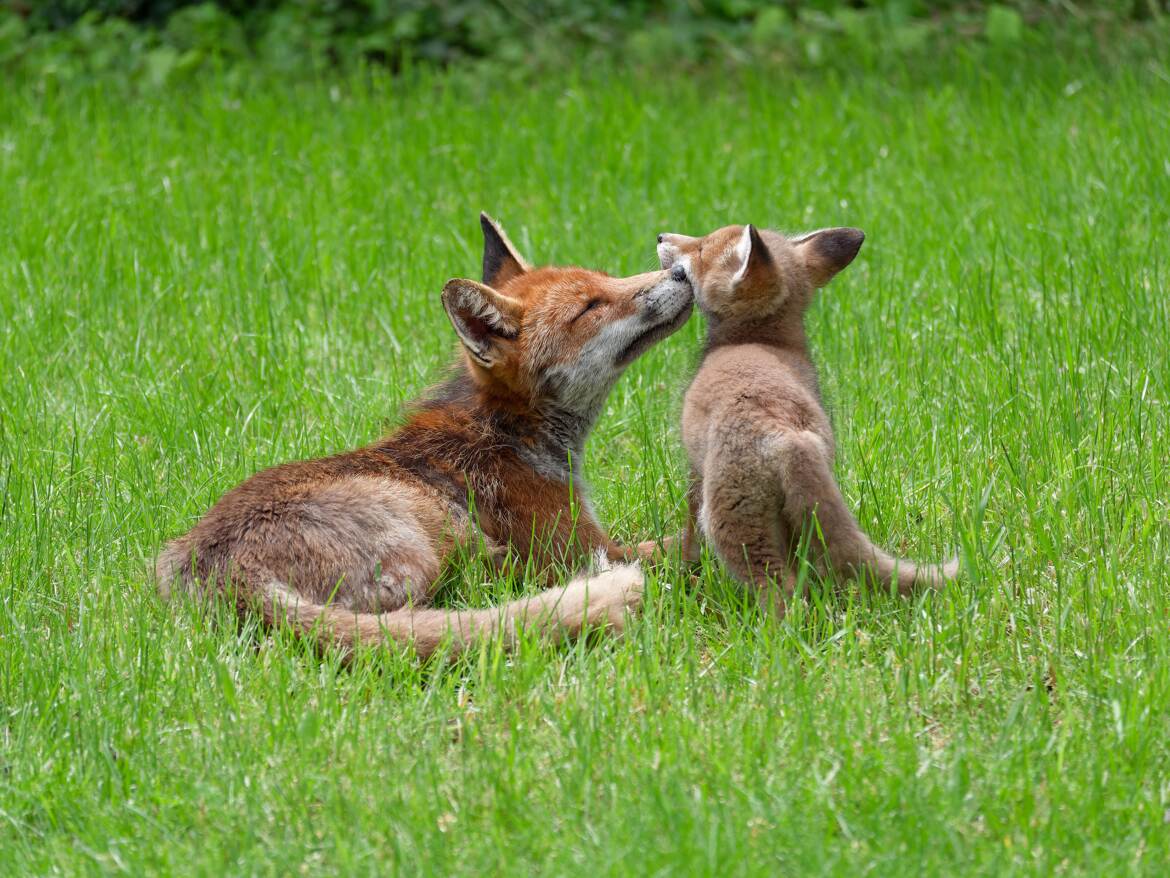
x,y
158,40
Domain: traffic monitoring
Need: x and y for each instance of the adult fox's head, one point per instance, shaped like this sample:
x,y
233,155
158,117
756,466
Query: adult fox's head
x,y
744,273
558,336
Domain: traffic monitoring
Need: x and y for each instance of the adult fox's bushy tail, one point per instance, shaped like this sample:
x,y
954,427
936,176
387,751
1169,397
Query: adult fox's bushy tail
x,y
601,600
810,489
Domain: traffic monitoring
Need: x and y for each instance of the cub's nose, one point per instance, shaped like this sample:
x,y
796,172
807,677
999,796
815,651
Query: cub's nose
x,y
678,273
660,237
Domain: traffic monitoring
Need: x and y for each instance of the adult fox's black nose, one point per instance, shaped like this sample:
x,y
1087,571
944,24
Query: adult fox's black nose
x,y
660,237
678,273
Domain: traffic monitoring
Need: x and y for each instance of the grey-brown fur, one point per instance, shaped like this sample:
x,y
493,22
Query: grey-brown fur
x,y
759,442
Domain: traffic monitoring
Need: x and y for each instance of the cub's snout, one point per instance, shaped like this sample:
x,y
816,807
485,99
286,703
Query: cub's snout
x,y
667,252
671,248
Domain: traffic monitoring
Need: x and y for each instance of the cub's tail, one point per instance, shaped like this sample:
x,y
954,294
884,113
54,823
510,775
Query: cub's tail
x,y
811,489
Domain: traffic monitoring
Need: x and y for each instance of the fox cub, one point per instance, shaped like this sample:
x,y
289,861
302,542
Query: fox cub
x,y
756,433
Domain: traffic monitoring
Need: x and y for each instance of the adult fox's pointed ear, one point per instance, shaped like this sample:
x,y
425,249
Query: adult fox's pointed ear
x,y
753,255
501,262
828,251
485,320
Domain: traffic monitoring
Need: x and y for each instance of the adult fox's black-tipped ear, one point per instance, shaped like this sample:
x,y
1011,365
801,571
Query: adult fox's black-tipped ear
x,y
828,251
501,262
484,319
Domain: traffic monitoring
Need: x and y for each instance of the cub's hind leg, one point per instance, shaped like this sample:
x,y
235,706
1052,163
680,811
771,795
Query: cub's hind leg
x,y
811,492
740,517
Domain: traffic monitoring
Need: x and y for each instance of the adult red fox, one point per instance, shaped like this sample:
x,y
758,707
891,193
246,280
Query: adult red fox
x,y
352,546
757,436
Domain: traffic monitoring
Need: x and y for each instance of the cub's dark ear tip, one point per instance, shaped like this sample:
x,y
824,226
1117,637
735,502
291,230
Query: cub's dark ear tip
x,y
760,252
841,245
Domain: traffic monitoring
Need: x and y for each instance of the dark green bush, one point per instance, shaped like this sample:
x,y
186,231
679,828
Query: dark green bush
x,y
159,40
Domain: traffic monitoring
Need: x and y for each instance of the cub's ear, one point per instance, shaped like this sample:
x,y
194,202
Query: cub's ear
x,y
828,251
501,262
752,254
484,319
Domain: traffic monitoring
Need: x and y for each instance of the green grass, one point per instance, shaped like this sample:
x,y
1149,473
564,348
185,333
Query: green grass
x,y
200,284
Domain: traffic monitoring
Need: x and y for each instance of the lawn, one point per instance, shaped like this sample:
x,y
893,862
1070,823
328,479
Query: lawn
x,y
200,283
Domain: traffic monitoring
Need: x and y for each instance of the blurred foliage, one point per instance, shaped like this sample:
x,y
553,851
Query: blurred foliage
x,y
158,41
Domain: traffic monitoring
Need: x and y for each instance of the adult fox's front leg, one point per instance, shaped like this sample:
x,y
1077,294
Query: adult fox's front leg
x,y
689,540
595,540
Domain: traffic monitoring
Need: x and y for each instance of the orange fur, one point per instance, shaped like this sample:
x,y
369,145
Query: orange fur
x,y
351,546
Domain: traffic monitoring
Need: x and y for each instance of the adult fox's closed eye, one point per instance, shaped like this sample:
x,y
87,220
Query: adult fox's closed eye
x,y
353,545
759,442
